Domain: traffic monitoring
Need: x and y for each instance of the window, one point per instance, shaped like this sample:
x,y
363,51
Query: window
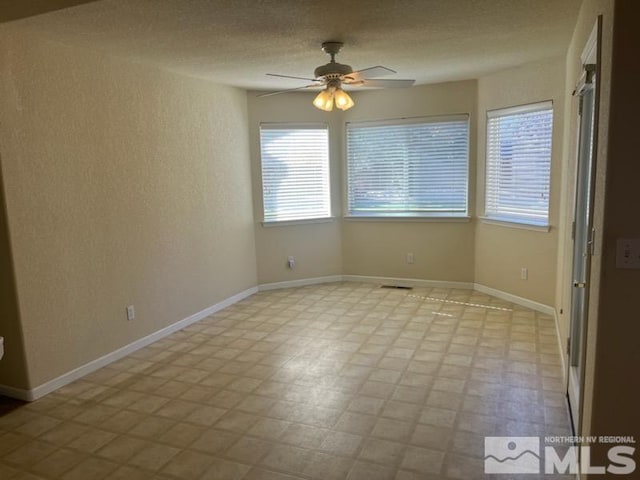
x,y
519,164
408,168
295,172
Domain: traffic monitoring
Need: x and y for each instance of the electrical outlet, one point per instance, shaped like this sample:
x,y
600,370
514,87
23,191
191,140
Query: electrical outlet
x,y
410,258
524,273
291,262
131,312
628,253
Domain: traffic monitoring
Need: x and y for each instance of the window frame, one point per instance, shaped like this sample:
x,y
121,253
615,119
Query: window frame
x,y
518,221
268,222
432,216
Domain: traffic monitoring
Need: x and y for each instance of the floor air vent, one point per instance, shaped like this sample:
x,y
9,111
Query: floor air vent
x,y
397,287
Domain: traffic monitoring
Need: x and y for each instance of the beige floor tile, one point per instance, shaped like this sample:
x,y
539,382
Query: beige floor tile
x,y
269,428
366,405
188,465
129,473
57,463
122,448
322,382
147,403
29,453
260,474
408,475
324,466
214,441
286,458
38,425
377,389
401,410
305,436
64,433
370,471
340,443
181,435
153,457
122,421
222,469
248,450
90,469
381,451
433,437
236,422
205,415
152,427
355,423
464,468
422,460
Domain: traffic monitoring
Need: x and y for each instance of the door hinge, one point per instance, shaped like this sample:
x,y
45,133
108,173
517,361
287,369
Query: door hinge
x,y
568,345
573,230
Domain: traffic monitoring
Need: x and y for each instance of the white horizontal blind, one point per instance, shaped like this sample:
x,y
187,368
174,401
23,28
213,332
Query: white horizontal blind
x,y
519,164
416,167
295,172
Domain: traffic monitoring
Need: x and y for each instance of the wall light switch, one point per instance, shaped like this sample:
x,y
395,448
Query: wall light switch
x,y
131,312
628,253
410,258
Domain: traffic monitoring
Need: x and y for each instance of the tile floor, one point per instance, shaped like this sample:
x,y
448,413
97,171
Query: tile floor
x,y
336,381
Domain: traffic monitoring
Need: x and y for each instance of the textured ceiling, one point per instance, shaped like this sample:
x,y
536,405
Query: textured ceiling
x,y
237,41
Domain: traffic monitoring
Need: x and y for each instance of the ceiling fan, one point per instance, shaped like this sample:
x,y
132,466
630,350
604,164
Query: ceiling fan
x,y
334,75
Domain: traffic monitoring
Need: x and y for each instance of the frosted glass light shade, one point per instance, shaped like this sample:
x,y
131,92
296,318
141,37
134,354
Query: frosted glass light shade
x,y
324,100
343,100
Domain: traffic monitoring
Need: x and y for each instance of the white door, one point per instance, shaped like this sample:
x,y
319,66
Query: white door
x,y
583,232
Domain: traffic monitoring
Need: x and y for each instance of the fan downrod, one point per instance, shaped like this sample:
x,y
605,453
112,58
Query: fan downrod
x,y
332,49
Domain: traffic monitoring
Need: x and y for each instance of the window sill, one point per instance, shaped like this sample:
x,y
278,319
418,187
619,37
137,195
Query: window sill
x,y
515,224
433,218
304,221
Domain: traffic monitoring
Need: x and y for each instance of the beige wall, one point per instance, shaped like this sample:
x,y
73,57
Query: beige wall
x,y
124,185
616,395
501,251
316,247
16,9
13,367
442,250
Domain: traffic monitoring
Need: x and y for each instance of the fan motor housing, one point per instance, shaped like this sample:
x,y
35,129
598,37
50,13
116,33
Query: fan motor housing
x,y
333,68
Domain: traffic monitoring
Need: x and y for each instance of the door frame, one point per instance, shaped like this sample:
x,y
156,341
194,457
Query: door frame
x,y
591,55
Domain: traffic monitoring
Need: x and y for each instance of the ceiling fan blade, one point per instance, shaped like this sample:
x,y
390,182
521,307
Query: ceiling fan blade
x,y
268,94
385,83
371,72
289,76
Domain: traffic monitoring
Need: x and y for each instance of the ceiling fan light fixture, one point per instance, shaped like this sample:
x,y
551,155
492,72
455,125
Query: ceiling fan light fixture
x,y
324,100
343,100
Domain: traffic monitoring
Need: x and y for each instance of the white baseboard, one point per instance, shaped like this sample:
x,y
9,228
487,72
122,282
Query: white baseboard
x,y
407,282
561,347
524,302
50,386
300,283
65,379
17,393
